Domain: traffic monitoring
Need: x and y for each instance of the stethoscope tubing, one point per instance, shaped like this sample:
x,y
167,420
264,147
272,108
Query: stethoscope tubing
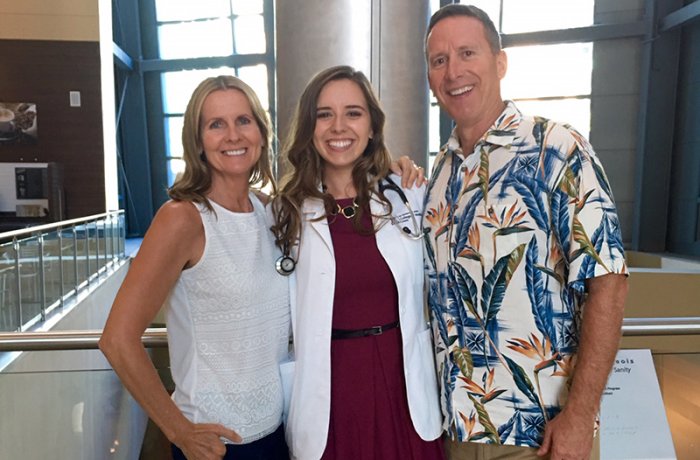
x,y
285,264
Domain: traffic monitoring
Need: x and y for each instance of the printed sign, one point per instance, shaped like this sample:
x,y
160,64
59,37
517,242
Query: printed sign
x,y
632,415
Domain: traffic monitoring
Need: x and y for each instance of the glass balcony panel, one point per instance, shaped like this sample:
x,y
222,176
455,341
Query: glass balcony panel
x,y
8,289
41,272
29,280
92,248
93,417
101,243
122,234
68,246
52,269
82,261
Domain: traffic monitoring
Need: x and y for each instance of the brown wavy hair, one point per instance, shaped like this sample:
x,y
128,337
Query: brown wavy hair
x,y
304,164
195,181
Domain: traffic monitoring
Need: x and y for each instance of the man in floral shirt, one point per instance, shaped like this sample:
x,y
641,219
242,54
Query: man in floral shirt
x,y
527,277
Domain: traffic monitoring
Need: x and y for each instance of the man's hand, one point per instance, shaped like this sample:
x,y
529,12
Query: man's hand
x,y
568,436
411,174
201,441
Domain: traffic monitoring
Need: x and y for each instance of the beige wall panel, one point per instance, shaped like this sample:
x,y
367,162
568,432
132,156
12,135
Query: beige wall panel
x,y
49,7
655,293
72,20
66,28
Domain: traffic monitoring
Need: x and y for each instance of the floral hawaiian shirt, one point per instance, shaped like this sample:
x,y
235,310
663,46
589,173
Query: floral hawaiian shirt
x,y
515,228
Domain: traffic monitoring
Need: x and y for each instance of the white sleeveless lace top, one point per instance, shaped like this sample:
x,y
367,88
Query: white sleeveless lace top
x,y
228,326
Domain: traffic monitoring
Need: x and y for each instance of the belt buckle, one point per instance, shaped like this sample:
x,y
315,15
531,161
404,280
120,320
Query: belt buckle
x,y
375,330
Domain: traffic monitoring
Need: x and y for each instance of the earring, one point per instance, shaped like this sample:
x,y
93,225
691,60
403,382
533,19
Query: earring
x,y
203,157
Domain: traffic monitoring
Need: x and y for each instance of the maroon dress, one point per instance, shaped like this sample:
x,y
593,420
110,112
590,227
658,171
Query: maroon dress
x,y
369,416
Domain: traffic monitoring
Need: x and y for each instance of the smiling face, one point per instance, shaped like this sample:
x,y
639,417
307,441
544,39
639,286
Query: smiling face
x,y
464,73
231,139
343,125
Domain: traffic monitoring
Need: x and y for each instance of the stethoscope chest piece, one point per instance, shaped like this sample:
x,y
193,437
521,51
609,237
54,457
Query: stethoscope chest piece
x,y
285,265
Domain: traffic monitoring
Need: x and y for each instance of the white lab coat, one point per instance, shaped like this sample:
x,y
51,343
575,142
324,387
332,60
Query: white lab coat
x,y
312,307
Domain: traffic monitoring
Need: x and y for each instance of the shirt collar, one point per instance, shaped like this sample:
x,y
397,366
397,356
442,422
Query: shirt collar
x,y
501,133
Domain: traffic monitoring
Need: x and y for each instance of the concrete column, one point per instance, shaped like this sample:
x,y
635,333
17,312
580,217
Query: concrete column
x,y
402,79
383,38
312,35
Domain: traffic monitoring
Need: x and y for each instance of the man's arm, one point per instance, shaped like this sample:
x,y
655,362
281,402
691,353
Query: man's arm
x,y
570,434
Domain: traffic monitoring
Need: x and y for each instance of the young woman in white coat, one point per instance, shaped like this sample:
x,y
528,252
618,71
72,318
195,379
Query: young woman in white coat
x,y
365,385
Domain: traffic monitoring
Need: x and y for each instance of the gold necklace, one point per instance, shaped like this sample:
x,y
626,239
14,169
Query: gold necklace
x,y
347,211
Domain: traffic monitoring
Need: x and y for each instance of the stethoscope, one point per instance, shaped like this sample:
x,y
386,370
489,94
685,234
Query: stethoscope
x,y
285,264
417,233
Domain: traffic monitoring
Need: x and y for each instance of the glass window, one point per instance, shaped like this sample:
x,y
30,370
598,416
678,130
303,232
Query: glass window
x,y
249,34
256,77
575,112
195,39
434,127
548,70
187,10
178,86
240,7
175,167
534,15
173,136
490,7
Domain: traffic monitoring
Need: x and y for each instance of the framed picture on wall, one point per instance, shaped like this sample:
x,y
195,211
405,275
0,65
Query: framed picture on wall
x,y
18,123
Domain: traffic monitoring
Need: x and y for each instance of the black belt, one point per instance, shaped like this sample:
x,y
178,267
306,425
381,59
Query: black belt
x,y
354,333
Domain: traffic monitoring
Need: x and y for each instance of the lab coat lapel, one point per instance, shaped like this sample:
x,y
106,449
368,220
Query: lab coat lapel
x,y
311,210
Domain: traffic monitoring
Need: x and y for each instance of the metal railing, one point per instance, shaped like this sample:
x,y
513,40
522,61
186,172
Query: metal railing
x,y
43,267
157,337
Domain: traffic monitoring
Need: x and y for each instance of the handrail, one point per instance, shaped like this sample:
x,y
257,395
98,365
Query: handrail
x,y
633,327
71,340
63,223
158,338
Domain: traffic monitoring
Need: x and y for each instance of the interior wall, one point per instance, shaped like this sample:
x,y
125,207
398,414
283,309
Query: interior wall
x,y
44,72
684,232
615,105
